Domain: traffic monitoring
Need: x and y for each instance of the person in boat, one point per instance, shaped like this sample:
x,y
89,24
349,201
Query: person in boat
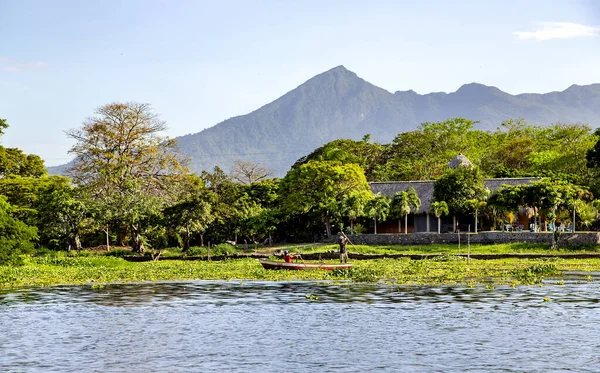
x,y
287,257
343,241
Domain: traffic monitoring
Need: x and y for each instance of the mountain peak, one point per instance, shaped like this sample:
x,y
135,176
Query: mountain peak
x,y
475,87
339,68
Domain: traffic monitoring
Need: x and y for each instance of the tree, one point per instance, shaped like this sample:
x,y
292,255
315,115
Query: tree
x,y
248,172
439,208
191,216
14,162
476,205
320,186
457,187
354,205
378,209
423,154
122,163
15,236
402,203
363,153
62,212
3,126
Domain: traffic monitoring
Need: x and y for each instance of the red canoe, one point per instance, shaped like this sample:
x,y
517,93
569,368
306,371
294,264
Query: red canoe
x,y
300,266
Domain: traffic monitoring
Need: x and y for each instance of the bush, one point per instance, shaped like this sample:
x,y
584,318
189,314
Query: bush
x,y
118,253
358,228
217,250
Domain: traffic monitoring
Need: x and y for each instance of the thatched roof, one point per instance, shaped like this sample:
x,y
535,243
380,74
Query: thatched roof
x,y
424,189
460,161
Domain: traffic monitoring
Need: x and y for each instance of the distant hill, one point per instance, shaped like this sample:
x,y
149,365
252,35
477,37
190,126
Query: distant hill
x,y
338,104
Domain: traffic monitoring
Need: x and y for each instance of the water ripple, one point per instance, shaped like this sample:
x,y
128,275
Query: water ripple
x,y
300,326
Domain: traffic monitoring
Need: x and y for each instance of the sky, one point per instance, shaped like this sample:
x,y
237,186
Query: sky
x,y
201,62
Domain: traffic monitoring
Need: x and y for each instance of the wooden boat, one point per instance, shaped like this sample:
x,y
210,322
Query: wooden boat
x,y
267,264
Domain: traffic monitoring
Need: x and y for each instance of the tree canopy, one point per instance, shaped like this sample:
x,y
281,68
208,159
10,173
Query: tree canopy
x,y
122,162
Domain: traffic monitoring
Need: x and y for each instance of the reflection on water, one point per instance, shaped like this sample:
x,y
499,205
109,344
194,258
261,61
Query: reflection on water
x,y
301,327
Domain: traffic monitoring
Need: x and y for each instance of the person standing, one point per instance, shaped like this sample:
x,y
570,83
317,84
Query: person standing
x,y
342,241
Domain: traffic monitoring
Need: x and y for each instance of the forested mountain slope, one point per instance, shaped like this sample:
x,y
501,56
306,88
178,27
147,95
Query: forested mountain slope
x,y
338,104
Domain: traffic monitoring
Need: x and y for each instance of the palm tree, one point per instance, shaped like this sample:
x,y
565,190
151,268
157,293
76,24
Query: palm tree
x,y
354,204
402,204
378,208
439,209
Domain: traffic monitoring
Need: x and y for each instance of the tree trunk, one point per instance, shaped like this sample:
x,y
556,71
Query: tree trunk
x,y
351,226
107,239
327,227
74,242
186,242
399,226
122,238
475,221
439,225
573,217
405,224
375,225
202,239
137,244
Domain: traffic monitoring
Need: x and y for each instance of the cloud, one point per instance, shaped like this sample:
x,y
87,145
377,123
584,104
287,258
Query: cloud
x,y
558,30
8,64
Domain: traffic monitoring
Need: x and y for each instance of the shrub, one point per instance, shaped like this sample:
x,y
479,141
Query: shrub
x,y
118,253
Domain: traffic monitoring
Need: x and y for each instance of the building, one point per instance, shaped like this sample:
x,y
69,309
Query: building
x,y
423,220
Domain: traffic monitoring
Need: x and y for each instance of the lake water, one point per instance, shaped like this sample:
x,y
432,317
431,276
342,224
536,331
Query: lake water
x,y
300,327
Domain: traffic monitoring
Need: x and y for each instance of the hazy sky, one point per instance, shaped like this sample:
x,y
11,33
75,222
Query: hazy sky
x,y
201,62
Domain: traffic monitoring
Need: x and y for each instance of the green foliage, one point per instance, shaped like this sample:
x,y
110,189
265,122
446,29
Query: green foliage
x,y
378,207
15,236
118,253
217,250
535,273
3,126
320,187
363,153
14,162
423,154
457,187
127,170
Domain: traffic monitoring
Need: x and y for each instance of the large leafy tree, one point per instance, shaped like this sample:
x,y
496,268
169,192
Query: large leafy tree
x,y
423,154
14,162
15,236
229,198
63,215
457,187
123,163
320,186
364,153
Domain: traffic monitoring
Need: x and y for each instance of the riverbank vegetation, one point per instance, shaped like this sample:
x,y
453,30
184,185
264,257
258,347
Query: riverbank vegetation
x,y
129,187
97,271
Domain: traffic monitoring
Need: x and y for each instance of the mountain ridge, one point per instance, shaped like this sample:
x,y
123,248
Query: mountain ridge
x,y
339,104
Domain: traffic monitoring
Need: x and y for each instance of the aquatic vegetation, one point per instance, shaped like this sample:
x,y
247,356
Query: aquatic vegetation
x,y
443,269
534,274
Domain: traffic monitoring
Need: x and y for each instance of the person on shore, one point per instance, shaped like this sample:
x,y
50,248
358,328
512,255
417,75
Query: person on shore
x,y
342,241
287,257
